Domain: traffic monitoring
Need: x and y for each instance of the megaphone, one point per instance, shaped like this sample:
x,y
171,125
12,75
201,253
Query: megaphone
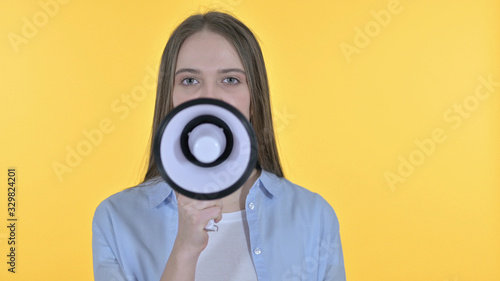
x,y
205,149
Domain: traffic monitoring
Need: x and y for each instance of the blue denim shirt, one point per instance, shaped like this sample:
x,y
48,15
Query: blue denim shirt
x,y
294,233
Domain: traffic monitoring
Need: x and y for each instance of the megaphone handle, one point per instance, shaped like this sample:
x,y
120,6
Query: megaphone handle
x,y
212,226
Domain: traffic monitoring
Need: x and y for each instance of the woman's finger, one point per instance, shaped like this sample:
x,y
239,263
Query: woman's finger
x,y
198,204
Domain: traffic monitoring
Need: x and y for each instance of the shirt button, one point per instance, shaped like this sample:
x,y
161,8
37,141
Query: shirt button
x,y
251,206
257,251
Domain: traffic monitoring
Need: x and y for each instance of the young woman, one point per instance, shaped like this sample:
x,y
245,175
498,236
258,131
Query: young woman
x,y
270,229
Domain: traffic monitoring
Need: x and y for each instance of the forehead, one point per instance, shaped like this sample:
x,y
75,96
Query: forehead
x,y
207,49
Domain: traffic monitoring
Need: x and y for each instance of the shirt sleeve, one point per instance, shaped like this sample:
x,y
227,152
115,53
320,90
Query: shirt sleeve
x,y
331,247
106,265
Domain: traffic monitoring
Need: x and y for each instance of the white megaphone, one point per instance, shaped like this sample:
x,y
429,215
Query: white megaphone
x,y
205,149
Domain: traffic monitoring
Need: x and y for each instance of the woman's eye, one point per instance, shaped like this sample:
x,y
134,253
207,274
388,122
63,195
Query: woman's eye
x,y
189,81
231,80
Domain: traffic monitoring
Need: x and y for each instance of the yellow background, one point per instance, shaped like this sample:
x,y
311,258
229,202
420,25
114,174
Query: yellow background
x,y
344,120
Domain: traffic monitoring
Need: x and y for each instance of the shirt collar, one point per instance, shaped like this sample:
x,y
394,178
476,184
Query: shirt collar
x,y
158,190
270,183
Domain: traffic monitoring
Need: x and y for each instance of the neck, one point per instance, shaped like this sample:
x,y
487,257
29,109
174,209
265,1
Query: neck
x,y
236,200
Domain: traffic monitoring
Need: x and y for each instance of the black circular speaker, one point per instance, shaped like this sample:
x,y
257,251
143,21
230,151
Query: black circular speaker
x,y
205,149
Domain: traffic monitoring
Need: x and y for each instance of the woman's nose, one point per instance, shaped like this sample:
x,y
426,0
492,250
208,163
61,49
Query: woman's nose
x,y
210,91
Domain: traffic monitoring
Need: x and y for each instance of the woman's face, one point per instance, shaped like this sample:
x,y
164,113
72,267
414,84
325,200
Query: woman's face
x,y
208,66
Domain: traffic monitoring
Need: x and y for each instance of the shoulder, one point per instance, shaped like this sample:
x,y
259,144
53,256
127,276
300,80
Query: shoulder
x,y
131,201
298,199
284,189
127,197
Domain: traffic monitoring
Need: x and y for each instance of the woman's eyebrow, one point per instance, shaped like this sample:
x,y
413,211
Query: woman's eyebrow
x,y
222,71
196,71
188,70
227,70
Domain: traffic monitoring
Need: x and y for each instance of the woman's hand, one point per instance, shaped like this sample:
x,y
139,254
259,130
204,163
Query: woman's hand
x,y
194,215
192,238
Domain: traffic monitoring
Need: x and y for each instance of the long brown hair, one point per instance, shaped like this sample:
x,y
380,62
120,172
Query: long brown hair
x,y
250,54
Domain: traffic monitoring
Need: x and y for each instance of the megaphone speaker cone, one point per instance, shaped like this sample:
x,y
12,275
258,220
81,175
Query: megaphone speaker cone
x,y
191,132
207,142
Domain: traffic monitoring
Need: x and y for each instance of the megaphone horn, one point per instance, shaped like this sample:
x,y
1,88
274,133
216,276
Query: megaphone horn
x,y
205,149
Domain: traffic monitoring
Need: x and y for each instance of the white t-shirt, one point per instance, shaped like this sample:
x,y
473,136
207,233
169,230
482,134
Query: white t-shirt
x,y
227,256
